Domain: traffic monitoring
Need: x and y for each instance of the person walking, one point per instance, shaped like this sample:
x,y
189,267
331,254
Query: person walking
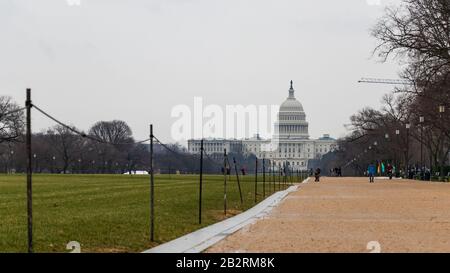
x,y
317,175
371,170
390,171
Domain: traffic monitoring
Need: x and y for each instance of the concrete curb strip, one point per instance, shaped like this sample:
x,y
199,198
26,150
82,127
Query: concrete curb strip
x,y
201,239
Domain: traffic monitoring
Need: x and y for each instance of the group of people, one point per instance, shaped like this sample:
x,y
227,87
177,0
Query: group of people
x,y
336,172
423,173
372,171
316,174
412,172
333,172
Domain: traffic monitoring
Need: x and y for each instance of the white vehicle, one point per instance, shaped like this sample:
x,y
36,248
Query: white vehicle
x,y
138,172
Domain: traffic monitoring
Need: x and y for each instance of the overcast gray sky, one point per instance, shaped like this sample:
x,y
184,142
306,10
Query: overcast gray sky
x,y
136,59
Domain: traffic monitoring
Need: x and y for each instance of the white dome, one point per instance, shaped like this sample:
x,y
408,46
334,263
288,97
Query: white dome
x,y
291,104
291,122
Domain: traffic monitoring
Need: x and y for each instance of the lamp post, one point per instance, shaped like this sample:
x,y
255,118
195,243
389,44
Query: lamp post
x,y
53,164
12,161
441,115
35,162
421,120
397,133
375,144
386,136
408,127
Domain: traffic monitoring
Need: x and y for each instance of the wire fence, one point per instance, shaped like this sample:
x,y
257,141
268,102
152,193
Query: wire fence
x,y
82,134
174,200
13,112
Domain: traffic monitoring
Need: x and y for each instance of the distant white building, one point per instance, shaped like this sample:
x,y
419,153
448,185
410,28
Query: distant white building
x,y
290,144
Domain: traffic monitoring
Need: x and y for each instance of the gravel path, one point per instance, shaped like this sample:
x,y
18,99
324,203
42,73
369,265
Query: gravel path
x,y
345,214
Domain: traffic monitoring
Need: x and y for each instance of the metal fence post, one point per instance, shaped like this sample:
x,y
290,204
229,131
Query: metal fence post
x,y
201,184
292,175
270,175
225,172
152,189
279,176
29,174
273,176
264,178
256,180
238,180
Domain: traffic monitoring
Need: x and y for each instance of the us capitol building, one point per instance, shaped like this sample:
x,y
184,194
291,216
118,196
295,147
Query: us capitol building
x,y
290,144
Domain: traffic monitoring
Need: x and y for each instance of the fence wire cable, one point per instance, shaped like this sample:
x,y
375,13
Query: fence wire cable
x,y
168,148
12,112
82,134
212,160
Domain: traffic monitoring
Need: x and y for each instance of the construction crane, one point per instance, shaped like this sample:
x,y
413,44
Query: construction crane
x,y
386,81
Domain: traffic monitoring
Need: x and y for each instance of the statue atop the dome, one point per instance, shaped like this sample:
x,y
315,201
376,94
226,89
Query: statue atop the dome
x,y
291,91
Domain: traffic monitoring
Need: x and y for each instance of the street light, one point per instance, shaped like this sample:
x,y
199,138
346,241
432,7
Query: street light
x,y
35,162
441,114
408,127
93,166
386,136
12,160
421,120
53,164
397,133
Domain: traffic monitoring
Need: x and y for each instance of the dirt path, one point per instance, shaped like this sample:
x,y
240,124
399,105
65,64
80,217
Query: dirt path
x,y
344,214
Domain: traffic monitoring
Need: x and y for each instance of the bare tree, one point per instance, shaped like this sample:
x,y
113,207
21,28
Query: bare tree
x,y
11,120
113,132
115,144
418,31
65,144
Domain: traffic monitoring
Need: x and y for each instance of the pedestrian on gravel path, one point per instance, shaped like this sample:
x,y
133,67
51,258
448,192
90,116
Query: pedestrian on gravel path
x,y
390,171
317,175
371,170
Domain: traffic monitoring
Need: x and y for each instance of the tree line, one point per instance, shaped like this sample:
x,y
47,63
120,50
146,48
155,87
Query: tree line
x,y
412,129
108,147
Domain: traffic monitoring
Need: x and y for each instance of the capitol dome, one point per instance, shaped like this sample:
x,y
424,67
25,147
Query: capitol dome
x,y
291,122
291,104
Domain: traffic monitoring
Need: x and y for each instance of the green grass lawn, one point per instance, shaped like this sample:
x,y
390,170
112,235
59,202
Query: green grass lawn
x,y
110,213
